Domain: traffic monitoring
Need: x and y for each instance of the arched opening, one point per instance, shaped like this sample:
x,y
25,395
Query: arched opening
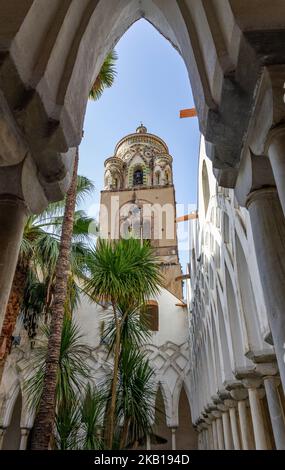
x,y
248,299
227,354
151,315
12,436
206,187
186,436
157,178
161,439
138,177
235,323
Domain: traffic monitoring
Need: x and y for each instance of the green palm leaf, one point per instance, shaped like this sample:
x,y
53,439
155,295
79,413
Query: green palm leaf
x,y
106,76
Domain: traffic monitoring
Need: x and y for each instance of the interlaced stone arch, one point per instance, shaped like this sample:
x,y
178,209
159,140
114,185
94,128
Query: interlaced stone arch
x,y
54,58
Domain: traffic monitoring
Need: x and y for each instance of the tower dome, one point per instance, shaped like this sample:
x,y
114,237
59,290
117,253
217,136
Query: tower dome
x,y
140,159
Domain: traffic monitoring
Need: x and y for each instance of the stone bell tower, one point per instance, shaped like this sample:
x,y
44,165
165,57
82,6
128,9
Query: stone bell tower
x,y
139,199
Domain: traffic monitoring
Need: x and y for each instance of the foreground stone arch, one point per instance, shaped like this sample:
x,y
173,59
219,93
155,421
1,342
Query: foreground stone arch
x,y
233,56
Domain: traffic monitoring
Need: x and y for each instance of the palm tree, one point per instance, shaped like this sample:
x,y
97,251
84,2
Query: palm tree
x,y
120,271
38,253
136,396
72,373
45,416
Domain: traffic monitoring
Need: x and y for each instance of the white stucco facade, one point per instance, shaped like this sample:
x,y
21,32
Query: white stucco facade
x,y
230,339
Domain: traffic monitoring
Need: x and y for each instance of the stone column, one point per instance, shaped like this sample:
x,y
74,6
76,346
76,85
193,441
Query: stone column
x,y
256,414
219,426
268,229
244,428
12,220
148,442
240,394
2,434
205,434
227,430
231,404
210,436
24,438
173,438
215,436
220,433
276,154
275,410
200,437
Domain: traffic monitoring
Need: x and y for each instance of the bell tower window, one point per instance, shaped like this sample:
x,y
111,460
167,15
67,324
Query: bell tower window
x,y
157,178
138,177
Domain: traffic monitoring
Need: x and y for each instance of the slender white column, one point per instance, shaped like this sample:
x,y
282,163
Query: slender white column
x,y
215,436
210,437
276,153
231,405
244,428
206,446
220,434
173,438
148,442
257,419
234,427
24,438
268,229
200,438
227,430
2,434
275,410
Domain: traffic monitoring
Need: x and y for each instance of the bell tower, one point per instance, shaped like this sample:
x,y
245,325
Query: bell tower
x,y
139,199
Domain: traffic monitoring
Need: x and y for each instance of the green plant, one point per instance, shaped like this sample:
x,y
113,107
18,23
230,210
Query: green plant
x,y
119,272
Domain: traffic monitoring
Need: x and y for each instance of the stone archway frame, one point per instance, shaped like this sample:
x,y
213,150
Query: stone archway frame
x,y
50,61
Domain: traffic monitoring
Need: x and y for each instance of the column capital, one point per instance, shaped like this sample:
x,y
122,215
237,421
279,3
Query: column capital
x,y
276,133
230,403
222,407
275,379
223,395
239,394
252,383
260,194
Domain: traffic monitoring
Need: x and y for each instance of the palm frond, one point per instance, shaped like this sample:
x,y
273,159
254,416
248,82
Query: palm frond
x,y
136,395
134,329
122,270
106,76
92,411
73,369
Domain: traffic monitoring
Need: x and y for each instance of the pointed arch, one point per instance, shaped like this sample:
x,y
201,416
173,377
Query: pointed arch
x,y
205,187
247,298
234,322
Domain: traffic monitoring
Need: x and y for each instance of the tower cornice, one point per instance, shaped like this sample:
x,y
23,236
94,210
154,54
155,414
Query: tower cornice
x,y
139,138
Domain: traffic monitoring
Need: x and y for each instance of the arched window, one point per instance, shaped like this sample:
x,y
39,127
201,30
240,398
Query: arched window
x,y
157,178
151,315
206,187
138,177
167,177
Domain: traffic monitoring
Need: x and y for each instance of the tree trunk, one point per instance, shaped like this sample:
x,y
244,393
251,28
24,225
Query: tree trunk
x,y
44,421
111,420
12,310
125,432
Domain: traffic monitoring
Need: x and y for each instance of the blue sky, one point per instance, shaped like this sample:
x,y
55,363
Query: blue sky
x,y
151,86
